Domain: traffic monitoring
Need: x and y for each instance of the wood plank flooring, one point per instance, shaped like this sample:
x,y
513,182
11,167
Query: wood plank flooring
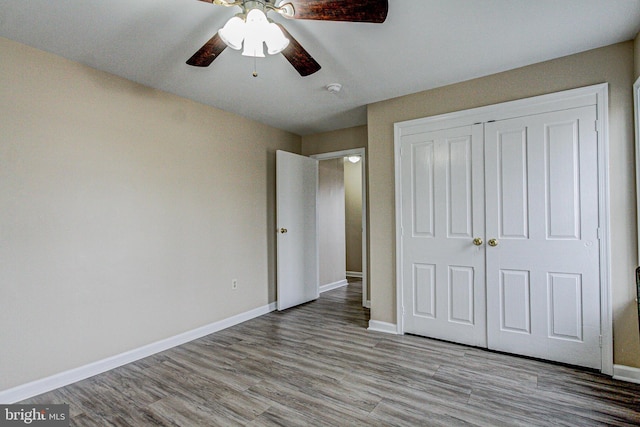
x,y
317,365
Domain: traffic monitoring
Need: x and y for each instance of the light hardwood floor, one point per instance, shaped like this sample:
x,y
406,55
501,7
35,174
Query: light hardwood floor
x,y
317,365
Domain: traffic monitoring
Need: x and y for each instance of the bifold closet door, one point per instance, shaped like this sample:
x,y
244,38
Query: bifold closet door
x,y
542,258
442,216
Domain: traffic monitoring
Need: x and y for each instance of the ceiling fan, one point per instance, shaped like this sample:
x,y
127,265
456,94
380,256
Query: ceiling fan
x,y
251,28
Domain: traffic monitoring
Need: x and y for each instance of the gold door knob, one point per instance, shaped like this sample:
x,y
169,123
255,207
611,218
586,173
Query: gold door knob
x,y
477,241
493,242
283,230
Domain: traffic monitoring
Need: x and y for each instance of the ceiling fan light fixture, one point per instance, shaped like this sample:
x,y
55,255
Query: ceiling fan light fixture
x,y
258,29
233,32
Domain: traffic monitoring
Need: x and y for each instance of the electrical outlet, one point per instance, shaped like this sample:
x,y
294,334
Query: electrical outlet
x,y
234,284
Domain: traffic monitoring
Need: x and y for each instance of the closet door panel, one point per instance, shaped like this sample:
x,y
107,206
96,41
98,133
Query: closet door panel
x,y
442,200
542,212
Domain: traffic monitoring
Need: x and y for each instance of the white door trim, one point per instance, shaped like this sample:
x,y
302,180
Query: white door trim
x,y
636,114
356,152
590,95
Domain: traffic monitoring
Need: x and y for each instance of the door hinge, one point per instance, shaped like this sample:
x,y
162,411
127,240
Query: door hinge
x,y
599,233
600,341
596,125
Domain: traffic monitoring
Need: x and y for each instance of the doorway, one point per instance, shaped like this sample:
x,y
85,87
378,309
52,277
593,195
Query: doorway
x,y
353,264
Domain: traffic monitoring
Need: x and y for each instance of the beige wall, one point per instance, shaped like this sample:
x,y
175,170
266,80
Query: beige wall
x,y
331,221
353,214
125,213
612,64
338,140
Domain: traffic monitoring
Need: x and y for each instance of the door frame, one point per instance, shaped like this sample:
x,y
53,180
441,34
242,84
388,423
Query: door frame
x,y
636,115
356,152
597,95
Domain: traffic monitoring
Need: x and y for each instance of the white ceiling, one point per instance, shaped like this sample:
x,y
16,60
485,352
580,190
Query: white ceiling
x,y
422,45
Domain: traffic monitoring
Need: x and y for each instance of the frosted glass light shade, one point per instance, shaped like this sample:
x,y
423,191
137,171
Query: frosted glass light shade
x,y
256,27
275,39
253,46
233,32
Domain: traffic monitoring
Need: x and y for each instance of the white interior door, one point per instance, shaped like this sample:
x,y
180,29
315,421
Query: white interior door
x,y
543,290
442,216
297,253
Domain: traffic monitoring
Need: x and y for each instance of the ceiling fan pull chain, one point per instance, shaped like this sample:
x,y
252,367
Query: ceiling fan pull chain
x,y
255,71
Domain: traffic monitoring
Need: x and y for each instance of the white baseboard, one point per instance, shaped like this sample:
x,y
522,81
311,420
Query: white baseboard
x,y
334,285
626,373
62,379
357,274
387,328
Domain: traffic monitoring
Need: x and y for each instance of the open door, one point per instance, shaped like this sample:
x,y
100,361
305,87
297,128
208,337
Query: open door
x,y
296,216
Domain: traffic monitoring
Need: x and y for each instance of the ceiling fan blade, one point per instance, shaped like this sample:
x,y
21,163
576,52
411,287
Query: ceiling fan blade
x,y
335,10
298,57
207,53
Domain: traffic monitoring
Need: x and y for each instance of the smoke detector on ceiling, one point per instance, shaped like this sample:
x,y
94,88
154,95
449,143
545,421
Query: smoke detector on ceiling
x,y
334,87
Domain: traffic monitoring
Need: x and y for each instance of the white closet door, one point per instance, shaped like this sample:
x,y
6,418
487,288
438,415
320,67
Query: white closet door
x,y
442,213
543,293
